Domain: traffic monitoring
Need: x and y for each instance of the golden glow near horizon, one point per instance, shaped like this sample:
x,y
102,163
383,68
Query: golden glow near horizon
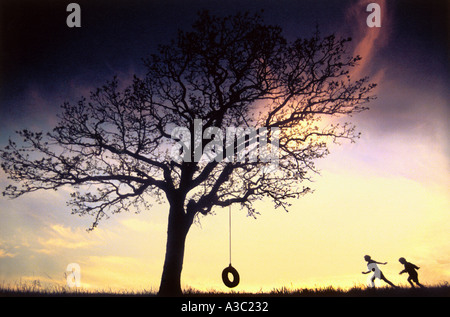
x,y
320,242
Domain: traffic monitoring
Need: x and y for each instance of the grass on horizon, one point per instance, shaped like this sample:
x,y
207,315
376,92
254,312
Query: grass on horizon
x,y
35,289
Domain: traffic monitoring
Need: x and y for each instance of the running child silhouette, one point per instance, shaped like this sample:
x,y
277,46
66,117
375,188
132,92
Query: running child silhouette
x,y
411,270
373,267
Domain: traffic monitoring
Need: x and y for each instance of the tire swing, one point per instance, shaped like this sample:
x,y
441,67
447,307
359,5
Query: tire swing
x,y
230,269
225,278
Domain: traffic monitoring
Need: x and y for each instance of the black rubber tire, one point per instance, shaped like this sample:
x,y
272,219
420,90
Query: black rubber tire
x,y
225,278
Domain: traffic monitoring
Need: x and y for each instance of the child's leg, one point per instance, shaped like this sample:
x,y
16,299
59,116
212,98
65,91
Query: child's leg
x,y
416,280
410,279
372,280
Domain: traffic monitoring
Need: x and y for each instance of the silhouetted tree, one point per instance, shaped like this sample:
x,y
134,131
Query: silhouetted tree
x,y
114,148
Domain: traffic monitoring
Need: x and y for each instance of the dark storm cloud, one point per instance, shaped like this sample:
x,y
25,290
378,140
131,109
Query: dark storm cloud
x,y
408,58
41,56
43,62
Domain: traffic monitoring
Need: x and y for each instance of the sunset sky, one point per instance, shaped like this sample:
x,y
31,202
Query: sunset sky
x,y
387,195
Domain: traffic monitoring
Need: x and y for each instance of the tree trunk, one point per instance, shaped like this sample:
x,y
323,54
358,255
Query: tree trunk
x,y
178,227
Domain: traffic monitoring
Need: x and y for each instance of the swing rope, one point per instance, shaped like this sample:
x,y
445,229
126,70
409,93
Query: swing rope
x,y
229,226
230,270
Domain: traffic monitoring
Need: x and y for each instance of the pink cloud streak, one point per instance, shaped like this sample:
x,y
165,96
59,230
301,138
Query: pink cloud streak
x,y
369,40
